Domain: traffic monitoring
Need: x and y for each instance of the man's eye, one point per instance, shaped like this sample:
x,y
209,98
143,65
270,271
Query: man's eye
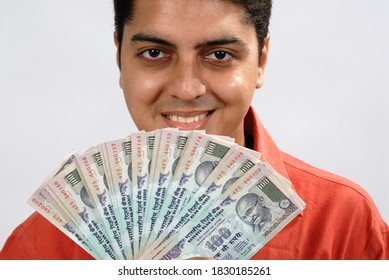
x,y
153,54
219,55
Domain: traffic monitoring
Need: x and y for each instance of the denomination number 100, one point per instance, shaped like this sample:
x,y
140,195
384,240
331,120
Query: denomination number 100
x,y
218,239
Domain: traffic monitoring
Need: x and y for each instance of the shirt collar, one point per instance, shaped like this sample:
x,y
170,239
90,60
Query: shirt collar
x,y
263,143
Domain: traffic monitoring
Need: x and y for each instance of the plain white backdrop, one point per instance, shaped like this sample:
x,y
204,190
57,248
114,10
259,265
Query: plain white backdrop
x,y
325,98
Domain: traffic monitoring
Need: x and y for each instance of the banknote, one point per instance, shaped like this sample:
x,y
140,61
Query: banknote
x,y
237,225
118,179
150,192
142,148
45,204
165,155
69,191
234,164
41,202
171,159
127,197
201,155
96,192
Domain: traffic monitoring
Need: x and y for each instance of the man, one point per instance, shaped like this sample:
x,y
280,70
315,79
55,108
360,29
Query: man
x,y
196,65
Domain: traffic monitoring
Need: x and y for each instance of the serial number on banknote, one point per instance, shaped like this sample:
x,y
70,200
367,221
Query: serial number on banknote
x,y
241,270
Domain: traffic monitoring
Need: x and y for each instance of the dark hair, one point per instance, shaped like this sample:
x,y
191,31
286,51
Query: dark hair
x,y
257,13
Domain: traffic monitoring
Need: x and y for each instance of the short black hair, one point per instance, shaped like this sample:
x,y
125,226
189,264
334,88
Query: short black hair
x,y
257,13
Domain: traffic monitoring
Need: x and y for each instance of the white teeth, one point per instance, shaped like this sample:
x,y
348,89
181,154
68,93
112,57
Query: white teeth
x,y
187,120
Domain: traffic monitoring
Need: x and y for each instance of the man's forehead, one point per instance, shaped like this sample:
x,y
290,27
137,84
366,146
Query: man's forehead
x,y
186,10
190,4
201,22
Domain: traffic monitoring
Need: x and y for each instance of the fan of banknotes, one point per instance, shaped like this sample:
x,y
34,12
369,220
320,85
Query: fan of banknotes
x,y
167,194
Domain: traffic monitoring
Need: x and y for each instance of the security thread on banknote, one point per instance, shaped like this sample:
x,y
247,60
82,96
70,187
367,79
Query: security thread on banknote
x,y
167,194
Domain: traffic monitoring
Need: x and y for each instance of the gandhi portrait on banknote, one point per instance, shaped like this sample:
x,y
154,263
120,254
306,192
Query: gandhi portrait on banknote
x,y
252,210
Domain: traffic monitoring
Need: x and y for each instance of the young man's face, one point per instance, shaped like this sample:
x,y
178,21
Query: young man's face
x,y
190,65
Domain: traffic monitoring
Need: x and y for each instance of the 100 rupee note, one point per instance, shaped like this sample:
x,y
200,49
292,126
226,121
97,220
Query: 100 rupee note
x,y
237,225
234,164
200,156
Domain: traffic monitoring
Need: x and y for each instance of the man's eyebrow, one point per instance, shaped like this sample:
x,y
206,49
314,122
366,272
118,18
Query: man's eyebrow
x,y
141,37
222,41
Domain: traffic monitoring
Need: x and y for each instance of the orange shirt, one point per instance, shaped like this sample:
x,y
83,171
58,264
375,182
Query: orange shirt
x,y
340,220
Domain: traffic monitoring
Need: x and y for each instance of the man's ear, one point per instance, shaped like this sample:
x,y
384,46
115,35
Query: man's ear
x,y
117,44
262,61
115,38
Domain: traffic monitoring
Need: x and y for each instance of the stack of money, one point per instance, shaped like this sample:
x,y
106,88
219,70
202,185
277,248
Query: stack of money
x,y
167,194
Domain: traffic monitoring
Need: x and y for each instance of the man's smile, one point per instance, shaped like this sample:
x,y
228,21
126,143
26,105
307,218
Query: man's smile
x,y
187,120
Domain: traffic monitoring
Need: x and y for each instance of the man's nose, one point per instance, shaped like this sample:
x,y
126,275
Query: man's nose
x,y
186,80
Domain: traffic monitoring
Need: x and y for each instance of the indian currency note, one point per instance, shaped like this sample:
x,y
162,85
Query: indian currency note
x,y
91,167
199,158
115,164
165,158
128,201
252,211
165,182
150,190
44,203
47,207
142,147
234,164
68,190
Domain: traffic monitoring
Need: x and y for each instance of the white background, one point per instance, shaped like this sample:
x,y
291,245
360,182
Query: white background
x,y
325,97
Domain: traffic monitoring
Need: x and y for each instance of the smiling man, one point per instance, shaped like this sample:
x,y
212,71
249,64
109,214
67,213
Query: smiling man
x,y
190,65
195,64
